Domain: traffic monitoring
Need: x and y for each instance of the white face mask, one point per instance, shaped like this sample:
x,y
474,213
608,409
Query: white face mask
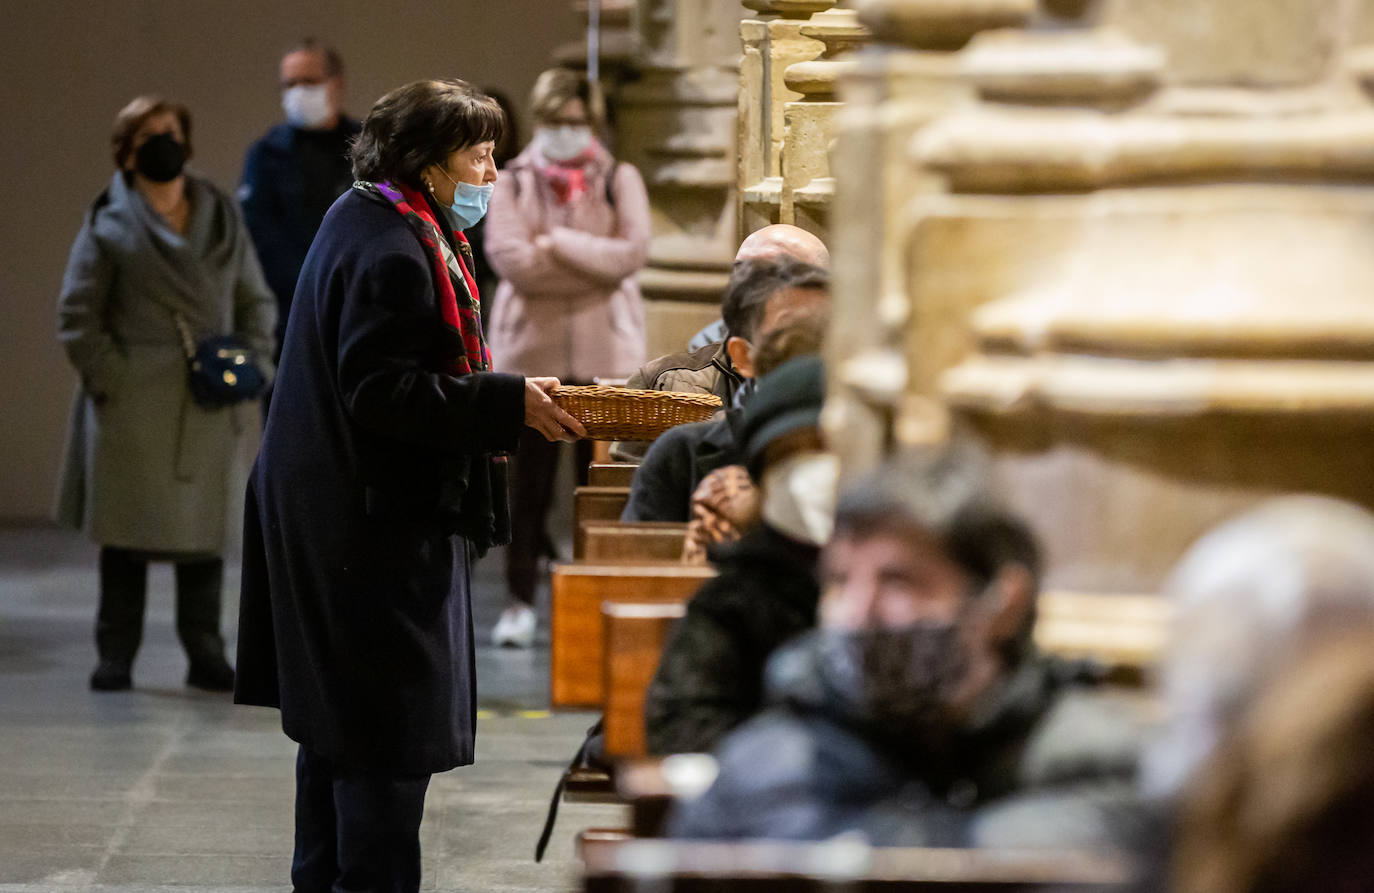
x,y
799,496
307,106
563,143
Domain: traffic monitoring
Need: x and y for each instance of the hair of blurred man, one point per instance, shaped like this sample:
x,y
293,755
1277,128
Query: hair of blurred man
x,y
764,295
130,118
1251,591
1286,803
422,124
940,497
803,334
784,240
333,62
555,88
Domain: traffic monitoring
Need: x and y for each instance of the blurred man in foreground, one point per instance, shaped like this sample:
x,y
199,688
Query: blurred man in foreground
x,y
919,712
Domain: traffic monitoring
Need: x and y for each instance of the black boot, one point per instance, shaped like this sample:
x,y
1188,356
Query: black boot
x,y
119,619
111,675
199,585
211,674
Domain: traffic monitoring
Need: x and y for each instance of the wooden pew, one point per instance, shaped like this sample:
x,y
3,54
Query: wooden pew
x,y
610,474
577,648
1122,631
613,865
637,542
635,635
1125,633
595,504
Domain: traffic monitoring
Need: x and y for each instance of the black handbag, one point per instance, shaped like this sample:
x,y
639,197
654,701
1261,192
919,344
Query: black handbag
x,y
221,370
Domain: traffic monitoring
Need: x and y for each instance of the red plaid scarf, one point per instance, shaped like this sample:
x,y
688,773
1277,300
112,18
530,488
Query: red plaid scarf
x,y
450,271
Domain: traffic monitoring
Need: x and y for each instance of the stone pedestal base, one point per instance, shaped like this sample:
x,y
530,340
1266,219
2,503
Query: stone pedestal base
x,y
1117,503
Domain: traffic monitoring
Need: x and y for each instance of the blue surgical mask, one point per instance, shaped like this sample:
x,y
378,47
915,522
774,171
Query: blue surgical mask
x,y
469,203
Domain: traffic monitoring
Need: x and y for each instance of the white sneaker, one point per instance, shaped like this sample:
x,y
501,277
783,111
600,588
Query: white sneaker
x,y
515,628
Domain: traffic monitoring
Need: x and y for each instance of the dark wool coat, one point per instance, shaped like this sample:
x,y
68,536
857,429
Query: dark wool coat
x,y
355,616
710,678
1046,764
677,462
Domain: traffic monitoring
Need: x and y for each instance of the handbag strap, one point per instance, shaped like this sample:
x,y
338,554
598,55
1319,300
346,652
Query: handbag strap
x,y
188,342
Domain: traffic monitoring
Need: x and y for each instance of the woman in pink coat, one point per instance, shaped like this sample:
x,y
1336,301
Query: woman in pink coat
x,y
567,231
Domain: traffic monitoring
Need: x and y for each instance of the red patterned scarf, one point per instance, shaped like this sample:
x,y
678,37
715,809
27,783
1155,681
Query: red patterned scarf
x,y
450,271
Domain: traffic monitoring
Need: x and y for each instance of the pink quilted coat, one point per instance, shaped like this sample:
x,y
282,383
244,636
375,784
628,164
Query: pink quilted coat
x,y
571,309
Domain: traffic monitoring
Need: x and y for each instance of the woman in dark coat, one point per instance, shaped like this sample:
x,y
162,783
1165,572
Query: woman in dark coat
x,y
146,471
381,475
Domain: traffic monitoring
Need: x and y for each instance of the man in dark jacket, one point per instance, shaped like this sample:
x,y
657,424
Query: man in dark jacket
x,y
295,172
765,297
710,678
918,713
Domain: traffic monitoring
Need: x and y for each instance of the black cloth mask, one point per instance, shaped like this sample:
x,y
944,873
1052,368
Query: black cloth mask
x,y
896,683
161,158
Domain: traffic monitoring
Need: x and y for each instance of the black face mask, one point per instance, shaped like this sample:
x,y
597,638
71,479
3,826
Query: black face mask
x,y
897,683
161,158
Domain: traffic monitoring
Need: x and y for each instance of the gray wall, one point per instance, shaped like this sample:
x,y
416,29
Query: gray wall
x,y
68,67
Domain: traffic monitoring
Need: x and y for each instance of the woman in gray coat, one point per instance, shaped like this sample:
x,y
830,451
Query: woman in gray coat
x,y
146,471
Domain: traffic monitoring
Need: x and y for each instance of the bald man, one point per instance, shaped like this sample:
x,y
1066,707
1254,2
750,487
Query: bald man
x,y
771,242
706,368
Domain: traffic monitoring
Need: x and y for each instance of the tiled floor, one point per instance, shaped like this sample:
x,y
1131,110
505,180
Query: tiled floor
x,y
167,786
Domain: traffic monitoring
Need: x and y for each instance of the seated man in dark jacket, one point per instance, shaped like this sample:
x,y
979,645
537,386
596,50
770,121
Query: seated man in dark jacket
x,y
764,297
710,678
919,713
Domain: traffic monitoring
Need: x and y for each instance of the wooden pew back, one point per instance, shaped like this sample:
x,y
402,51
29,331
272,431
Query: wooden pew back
x,y
577,649
595,504
635,637
637,542
610,474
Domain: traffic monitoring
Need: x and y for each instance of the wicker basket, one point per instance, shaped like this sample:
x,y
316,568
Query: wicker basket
x,y
629,414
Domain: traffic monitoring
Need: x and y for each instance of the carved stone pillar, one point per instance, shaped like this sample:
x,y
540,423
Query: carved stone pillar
x,y
772,42
618,41
1147,285
676,123
902,81
808,189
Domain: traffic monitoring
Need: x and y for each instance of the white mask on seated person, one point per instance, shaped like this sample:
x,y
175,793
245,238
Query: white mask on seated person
x,y
799,495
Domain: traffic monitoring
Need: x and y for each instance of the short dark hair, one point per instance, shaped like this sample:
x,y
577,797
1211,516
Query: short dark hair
x,y
800,337
753,282
421,124
333,62
131,118
943,493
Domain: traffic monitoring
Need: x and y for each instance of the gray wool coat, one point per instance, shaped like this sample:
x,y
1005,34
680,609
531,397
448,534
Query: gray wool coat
x,y
144,466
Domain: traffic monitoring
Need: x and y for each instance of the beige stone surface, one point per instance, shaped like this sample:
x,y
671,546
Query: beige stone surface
x,y
1131,254
671,324
770,46
1261,44
677,124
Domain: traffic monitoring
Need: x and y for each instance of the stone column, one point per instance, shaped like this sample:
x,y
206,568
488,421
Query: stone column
x,y
772,42
891,89
619,43
808,189
1147,282
676,123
